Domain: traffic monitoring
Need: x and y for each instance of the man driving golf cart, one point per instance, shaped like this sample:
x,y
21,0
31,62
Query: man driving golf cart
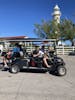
x,y
38,53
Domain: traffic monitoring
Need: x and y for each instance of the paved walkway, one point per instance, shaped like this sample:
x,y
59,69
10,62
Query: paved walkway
x,y
39,86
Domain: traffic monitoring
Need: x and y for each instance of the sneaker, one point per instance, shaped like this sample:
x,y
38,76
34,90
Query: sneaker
x,y
48,66
6,66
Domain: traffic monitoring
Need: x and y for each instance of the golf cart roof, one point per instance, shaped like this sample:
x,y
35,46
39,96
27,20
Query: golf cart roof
x,y
32,40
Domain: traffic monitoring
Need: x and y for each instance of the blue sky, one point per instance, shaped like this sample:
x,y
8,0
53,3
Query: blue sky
x,y
17,17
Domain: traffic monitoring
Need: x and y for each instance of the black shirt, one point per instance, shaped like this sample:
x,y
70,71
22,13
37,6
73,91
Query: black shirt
x,y
35,52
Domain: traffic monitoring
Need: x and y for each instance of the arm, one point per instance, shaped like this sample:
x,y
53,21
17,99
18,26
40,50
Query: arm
x,y
36,55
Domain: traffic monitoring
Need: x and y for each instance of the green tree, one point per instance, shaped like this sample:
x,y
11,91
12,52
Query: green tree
x,y
67,30
47,29
43,29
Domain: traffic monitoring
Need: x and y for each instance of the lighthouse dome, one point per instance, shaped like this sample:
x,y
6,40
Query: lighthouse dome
x,y
56,7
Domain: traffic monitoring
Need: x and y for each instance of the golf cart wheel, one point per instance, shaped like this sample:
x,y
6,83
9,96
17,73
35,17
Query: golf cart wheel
x,y
61,71
14,69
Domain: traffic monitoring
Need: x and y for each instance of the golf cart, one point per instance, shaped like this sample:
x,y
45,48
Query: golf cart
x,y
27,62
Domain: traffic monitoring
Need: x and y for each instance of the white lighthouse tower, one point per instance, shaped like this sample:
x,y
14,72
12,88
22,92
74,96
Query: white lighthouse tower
x,y
56,14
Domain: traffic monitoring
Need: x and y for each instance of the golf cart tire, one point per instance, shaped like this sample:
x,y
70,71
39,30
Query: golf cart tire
x,y
14,69
61,71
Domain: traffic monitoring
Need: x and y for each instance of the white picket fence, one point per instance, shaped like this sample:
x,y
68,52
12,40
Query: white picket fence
x,y
65,50
61,50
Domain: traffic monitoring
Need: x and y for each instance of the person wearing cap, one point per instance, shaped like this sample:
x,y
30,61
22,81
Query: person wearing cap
x,y
39,53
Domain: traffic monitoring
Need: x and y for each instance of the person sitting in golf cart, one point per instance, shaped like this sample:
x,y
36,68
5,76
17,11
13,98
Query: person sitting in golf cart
x,y
6,56
50,51
16,51
38,53
11,54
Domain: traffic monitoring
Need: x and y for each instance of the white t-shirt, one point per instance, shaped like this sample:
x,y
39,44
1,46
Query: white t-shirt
x,y
1,47
41,53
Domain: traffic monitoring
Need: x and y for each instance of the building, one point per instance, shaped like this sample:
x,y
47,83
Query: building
x,y
4,44
56,17
56,14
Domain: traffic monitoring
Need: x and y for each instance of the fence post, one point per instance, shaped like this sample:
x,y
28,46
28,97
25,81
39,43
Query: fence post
x,y
73,48
63,49
31,47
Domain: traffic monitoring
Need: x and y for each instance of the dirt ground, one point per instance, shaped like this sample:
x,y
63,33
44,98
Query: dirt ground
x,y
39,86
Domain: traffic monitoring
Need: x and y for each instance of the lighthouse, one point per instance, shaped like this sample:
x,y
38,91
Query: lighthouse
x,y
56,14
